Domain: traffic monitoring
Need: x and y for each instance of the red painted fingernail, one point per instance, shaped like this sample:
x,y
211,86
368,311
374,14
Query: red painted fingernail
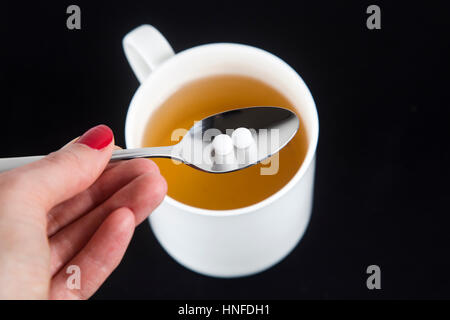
x,y
97,137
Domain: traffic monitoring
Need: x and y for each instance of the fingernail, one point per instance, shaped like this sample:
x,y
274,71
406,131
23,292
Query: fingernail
x,y
97,137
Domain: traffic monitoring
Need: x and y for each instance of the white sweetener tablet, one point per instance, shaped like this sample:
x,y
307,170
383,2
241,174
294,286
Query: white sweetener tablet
x,y
222,144
242,138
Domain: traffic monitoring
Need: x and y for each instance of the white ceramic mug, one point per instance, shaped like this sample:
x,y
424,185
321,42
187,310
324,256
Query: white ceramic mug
x,y
222,243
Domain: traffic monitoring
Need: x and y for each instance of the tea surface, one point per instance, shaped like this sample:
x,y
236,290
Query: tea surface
x,y
200,99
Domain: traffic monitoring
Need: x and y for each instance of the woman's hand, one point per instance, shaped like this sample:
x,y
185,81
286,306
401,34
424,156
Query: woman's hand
x,y
71,208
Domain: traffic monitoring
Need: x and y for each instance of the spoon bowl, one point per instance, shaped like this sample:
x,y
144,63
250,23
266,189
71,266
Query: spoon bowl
x,y
271,129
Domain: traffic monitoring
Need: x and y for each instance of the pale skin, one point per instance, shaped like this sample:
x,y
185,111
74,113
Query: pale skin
x,y
71,208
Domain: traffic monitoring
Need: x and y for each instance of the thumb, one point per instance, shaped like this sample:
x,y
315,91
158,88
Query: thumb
x,y
68,171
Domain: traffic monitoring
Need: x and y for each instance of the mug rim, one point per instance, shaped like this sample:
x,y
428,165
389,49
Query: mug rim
x,y
312,136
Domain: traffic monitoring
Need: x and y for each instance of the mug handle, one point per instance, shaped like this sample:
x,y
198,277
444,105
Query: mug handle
x,y
146,48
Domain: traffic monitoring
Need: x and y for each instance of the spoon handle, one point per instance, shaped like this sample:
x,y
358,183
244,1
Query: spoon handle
x,y
11,163
153,152
122,154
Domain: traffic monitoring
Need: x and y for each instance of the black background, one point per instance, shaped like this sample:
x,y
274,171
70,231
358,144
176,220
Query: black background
x,y
381,193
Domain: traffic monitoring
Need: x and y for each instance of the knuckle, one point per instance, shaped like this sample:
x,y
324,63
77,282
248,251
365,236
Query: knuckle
x,y
155,185
69,160
143,166
65,157
17,188
13,181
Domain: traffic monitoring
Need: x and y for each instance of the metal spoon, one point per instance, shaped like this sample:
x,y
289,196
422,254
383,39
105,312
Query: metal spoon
x,y
271,127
